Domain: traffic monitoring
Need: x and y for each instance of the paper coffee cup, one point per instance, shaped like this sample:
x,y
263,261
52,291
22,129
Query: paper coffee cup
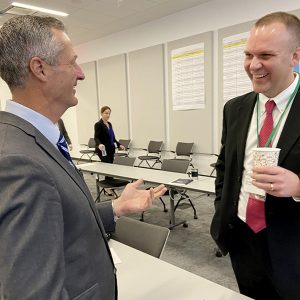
x,y
265,156
261,157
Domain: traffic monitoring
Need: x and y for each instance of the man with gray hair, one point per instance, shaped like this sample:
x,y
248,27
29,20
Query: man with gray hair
x,y
52,235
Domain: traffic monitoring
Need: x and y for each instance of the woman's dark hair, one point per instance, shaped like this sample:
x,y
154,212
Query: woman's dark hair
x,y
104,108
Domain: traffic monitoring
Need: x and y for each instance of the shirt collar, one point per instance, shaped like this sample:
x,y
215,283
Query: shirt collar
x,y
281,99
40,122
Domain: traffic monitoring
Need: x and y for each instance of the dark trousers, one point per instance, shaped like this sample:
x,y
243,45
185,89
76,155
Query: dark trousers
x,y
250,260
109,158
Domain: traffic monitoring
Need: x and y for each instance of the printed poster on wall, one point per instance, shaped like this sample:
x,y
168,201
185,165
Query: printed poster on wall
x,y
188,77
235,79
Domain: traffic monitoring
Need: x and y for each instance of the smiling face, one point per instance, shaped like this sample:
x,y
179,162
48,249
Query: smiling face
x,y
65,73
270,56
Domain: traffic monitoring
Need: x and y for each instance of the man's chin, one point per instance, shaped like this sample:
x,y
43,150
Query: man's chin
x,y
74,102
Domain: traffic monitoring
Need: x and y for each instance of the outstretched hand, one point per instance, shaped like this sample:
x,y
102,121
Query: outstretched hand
x,y
134,199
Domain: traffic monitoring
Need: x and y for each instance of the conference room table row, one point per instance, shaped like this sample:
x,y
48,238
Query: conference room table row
x,y
153,176
141,276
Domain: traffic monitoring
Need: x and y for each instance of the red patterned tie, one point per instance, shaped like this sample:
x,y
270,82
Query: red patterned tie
x,y
255,212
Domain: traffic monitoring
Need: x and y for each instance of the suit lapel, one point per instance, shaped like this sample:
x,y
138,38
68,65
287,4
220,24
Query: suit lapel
x,y
244,115
290,132
54,153
72,172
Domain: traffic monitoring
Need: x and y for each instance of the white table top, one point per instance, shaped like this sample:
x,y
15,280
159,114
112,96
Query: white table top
x,y
202,184
144,277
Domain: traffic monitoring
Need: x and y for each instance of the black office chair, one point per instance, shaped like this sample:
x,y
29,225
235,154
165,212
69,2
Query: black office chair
x,y
154,150
114,183
89,151
184,152
178,166
125,152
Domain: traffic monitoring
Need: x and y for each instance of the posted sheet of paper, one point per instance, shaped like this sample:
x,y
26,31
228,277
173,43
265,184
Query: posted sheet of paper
x,y
188,77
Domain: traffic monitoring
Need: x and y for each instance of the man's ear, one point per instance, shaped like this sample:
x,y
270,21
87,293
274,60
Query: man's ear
x,y
38,68
296,56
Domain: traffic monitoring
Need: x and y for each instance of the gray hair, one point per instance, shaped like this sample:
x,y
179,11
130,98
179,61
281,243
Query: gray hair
x,y
22,38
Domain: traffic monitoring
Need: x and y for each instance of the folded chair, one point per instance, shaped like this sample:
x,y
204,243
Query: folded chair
x,y
213,165
89,151
179,166
125,152
145,237
184,152
153,155
114,183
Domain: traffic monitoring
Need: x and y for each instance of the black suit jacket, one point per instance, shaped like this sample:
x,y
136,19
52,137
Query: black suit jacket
x,y
101,136
282,214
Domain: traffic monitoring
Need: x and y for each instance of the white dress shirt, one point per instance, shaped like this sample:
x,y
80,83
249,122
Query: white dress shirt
x,y
252,139
40,122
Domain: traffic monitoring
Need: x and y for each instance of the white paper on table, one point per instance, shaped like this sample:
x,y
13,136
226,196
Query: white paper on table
x,y
115,256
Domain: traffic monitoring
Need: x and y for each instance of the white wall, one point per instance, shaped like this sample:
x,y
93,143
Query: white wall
x,y
4,94
210,16
206,17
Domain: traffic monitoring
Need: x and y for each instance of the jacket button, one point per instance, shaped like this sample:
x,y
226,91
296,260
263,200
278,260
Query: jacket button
x,y
230,226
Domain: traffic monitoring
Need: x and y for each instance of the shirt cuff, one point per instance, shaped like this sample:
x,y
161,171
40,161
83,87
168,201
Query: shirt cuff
x,y
117,217
297,199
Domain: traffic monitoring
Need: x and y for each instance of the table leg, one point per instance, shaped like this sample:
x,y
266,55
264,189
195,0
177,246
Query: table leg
x,y
172,213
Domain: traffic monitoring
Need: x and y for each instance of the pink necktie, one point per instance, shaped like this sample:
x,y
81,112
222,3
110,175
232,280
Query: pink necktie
x,y
255,212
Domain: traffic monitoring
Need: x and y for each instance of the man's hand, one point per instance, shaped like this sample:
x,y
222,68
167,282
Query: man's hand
x,y
276,181
133,199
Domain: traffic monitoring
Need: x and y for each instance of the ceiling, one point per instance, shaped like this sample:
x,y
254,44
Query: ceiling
x,y
92,19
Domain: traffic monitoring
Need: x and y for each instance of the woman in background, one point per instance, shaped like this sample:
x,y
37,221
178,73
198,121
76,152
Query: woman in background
x,y
105,139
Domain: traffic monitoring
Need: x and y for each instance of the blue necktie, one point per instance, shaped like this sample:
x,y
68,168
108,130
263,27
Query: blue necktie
x,y
63,148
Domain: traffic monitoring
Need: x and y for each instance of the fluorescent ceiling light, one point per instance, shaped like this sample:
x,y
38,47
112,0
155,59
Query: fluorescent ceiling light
x,y
41,9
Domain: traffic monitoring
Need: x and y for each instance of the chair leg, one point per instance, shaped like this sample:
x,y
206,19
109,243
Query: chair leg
x,y
194,209
115,193
97,200
178,202
191,203
163,203
142,217
212,171
80,159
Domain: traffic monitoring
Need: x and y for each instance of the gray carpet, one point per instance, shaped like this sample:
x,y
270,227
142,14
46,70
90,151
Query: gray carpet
x,y
190,248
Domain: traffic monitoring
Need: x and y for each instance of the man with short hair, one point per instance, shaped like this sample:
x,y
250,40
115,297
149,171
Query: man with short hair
x,y
262,236
52,235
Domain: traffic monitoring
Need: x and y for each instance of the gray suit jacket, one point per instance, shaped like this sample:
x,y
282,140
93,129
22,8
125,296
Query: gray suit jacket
x,y
52,240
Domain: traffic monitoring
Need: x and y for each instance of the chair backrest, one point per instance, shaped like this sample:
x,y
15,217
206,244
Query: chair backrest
x,y
184,149
91,143
145,237
125,143
154,146
123,160
175,165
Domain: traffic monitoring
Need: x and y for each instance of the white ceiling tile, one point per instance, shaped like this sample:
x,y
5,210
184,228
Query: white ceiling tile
x,y
92,19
